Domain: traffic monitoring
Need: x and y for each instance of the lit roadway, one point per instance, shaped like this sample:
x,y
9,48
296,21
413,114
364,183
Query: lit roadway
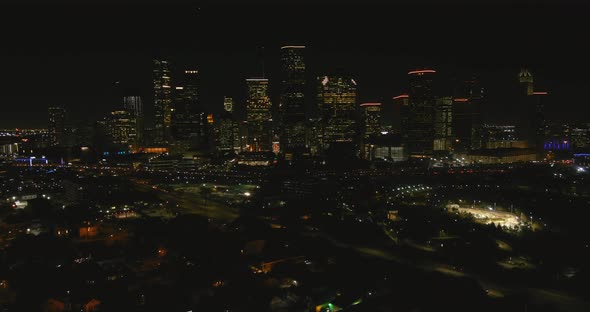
x,y
560,301
193,203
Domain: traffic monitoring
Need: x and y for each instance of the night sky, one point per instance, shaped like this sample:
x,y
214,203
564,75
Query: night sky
x,y
75,55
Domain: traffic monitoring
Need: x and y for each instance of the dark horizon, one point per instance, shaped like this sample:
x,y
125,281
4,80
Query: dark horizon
x,y
74,55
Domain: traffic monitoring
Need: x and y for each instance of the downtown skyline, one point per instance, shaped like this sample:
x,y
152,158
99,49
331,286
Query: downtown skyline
x,y
84,79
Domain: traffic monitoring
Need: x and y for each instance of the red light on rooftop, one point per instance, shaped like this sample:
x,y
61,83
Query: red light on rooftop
x,y
402,96
422,71
461,100
540,93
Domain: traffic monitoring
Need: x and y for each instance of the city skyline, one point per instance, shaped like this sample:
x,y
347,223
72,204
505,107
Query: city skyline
x,y
378,62
344,156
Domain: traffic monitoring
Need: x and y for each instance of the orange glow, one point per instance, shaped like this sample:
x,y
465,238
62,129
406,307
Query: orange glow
x,y
401,96
461,100
210,118
423,71
155,150
540,93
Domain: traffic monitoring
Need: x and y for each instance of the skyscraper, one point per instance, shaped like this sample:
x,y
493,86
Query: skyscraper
x,y
258,115
420,136
371,125
401,103
474,92
189,124
228,104
337,100
57,126
121,128
531,123
162,100
443,117
462,124
133,105
526,80
292,106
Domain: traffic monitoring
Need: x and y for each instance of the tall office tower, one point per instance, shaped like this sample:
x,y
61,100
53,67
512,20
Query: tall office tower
x,y
189,124
314,135
539,126
121,128
531,121
370,126
258,115
401,104
228,104
134,106
292,106
443,118
474,92
420,138
526,80
162,101
462,124
57,126
224,128
337,100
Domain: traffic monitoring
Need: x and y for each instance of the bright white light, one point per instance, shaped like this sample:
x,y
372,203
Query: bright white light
x,y
247,194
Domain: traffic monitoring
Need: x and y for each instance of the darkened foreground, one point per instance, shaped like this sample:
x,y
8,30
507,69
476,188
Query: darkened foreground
x,y
495,238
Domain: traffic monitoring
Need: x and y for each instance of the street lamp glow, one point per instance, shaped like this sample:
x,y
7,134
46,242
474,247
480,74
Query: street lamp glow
x,y
247,194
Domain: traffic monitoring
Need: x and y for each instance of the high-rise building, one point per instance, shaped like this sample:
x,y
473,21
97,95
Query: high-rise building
x,y
228,104
225,128
531,119
292,106
162,100
121,128
526,80
462,124
133,105
420,131
190,129
401,103
258,115
443,117
57,126
370,126
474,92
538,119
337,100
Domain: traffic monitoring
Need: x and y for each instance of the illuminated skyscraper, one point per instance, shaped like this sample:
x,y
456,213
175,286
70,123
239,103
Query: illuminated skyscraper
x,y
443,117
371,126
337,100
292,107
538,115
57,127
228,104
121,128
133,105
420,131
531,123
402,103
162,101
190,129
225,127
258,115
526,80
